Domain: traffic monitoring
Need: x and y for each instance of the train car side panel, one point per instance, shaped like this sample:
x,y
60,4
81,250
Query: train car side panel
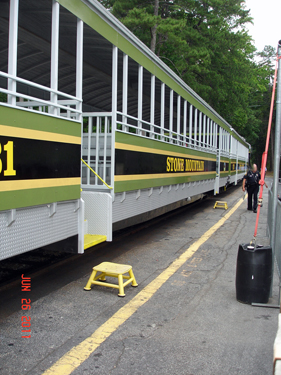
x,y
144,163
40,159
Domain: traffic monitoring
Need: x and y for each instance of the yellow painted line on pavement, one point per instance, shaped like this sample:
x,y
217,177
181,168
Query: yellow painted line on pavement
x,y
77,355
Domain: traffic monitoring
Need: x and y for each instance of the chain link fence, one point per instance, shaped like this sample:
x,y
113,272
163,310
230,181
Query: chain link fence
x,y
277,242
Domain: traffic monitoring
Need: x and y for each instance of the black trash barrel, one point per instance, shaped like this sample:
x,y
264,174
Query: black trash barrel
x,y
253,273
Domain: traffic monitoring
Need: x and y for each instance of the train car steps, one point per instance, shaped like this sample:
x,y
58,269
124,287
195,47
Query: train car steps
x,y
92,240
112,270
221,204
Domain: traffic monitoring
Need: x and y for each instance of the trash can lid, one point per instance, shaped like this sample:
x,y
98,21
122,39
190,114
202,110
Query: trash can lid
x,y
250,247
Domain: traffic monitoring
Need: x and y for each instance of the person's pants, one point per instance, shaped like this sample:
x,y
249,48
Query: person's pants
x,y
253,191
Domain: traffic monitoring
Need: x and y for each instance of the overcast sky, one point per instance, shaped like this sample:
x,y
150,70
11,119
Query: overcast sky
x,y
267,22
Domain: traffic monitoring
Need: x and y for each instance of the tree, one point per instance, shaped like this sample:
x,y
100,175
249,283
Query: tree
x,y
261,103
206,43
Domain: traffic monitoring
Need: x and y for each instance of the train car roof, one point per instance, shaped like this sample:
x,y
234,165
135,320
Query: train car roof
x,y
123,31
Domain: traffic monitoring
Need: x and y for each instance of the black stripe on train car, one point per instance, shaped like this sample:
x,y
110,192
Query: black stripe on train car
x,y
137,163
36,159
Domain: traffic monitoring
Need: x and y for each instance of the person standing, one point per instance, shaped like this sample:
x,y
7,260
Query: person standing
x,y
252,178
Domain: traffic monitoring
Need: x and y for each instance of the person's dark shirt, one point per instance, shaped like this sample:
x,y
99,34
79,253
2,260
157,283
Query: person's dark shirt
x,y
252,178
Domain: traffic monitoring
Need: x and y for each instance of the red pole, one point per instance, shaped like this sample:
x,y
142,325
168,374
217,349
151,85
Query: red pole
x,y
264,156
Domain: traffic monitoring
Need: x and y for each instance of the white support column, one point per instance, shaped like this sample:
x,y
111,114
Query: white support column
x,y
211,133
171,115
236,152
79,79
114,110
228,142
178,119
184,121
152,105
190,124
217,187
97,148
125,92
195,127
90,129
104,148
204,130
200,129
218,161
208,133
162,121
79,68
140,96
54,56
13,49
214,132
216,135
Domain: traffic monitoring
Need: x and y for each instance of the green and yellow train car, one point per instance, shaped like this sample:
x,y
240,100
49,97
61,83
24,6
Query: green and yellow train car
x,y
76,84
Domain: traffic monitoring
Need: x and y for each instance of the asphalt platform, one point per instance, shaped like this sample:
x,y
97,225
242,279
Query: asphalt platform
x,y
191,325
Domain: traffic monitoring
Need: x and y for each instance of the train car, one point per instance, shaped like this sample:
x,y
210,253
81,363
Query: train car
x,y
97,133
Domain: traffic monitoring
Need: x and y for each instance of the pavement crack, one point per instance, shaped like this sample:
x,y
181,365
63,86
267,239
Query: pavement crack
x,y
119,357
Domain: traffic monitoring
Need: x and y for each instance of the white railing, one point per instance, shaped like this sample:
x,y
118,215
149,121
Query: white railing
x,y
97,150
67,107
225,153
124,123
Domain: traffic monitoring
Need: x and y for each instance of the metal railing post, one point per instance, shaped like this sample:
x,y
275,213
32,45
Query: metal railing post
x,y
13,49
114,110
125,91
184,122
171,109
152,105
79,69
54,56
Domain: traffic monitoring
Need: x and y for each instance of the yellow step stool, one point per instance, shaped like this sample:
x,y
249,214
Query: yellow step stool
x,y
112,270
221,204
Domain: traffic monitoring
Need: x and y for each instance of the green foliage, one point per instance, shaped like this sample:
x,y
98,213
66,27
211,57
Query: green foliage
x,y
206,43
3,97
261,104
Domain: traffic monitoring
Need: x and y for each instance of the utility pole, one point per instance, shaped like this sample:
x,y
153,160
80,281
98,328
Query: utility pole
x,y
276,153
